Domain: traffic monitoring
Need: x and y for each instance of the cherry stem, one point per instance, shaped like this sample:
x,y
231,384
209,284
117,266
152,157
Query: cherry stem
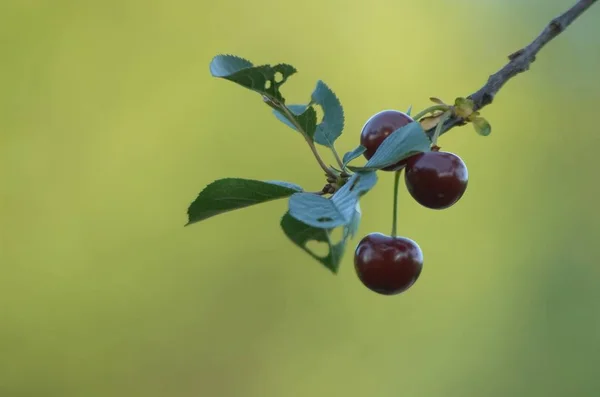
x,y
338,159
430,109
395,212
308,139
439,126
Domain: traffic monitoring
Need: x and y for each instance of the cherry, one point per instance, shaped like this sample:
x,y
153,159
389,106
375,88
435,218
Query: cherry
x,y
436,180
388,265
379,127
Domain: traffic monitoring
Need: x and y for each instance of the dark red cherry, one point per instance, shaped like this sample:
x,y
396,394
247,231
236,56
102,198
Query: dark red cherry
x,y
436,180
388,265
379,127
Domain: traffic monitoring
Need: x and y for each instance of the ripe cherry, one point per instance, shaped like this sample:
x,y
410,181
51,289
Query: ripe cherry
x,y
436,180
388,265
379,127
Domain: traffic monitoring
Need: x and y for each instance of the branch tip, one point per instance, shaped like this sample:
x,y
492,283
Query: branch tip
x,y
519,61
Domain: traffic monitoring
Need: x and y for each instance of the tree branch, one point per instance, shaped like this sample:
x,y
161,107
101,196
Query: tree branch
x,y
519,62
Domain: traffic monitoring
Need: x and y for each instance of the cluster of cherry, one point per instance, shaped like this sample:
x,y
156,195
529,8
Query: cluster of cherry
x,y
390,265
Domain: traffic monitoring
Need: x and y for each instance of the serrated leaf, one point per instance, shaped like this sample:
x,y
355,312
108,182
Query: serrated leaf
x,y
289,185
230,194
327,213
260,79
332,125
409,110
305,116
226,65
357,152
400,144
482,126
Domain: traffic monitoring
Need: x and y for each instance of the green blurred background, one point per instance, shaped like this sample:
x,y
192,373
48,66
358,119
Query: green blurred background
x,y
110,125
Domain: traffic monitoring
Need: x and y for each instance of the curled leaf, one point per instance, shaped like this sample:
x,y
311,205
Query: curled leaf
x,y
430,122
463,107
399,145
305,116
437,100
357,152
482,126
473,116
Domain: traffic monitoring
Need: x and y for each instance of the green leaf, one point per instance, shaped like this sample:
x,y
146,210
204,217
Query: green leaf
x,y
463,107
399,145
429,122
437,100
316,211
226,65
230,194
305,116
327,213
351,228
332,125
288,185
357,152
482,126
300,234
294,109
260,79
409,110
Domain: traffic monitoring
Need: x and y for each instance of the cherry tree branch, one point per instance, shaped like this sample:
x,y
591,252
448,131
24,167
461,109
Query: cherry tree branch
x,y
519,62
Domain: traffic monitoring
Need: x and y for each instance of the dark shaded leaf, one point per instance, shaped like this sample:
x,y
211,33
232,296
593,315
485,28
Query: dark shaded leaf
x,y
305,116
229,194
260,79
300,234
